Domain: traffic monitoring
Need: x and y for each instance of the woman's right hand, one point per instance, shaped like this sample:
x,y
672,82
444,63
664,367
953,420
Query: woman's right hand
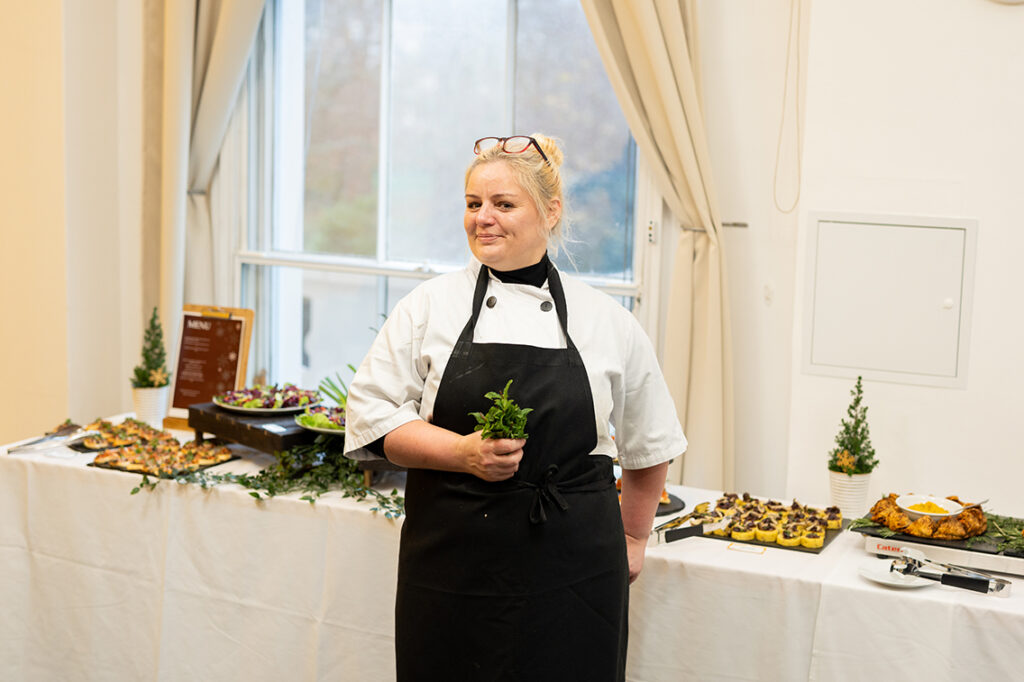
x,y
492,459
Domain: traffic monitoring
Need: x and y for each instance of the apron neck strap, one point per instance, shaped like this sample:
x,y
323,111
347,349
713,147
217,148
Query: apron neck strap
x,y
555,287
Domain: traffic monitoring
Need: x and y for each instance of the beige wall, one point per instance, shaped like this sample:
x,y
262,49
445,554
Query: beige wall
x,y
70,210
103,199
33,280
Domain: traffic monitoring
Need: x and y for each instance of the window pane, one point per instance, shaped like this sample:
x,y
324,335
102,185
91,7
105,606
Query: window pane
x,y
343,72
447,90
562,90
312,323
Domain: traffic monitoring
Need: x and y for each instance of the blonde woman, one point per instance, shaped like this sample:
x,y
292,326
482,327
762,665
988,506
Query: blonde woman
x,y
516,555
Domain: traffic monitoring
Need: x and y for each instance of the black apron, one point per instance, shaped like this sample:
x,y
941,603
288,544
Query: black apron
x,y
524,579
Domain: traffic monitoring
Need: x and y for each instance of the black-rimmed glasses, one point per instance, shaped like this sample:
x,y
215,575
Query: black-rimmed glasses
x,y
517,144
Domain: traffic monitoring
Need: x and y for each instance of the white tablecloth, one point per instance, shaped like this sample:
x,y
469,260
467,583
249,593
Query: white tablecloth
x,y
185,583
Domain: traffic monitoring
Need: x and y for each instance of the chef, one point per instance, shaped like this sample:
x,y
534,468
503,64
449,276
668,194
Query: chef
x,y
516,554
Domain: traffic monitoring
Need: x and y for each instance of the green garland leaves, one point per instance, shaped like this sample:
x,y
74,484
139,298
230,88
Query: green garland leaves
x,y
505,419
313,469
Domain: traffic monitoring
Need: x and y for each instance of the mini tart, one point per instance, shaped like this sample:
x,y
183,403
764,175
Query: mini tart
x,y
726,505
816,526
789,536
744,531
812,540
755,509
775,506
713,516
749,517
797,516
815,515
766,531
665,499
834,518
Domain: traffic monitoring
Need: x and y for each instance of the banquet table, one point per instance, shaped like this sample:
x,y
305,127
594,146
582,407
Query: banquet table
x,y
181,582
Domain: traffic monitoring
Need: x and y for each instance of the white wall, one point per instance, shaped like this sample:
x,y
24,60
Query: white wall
x,y
912,107
916,107
743,59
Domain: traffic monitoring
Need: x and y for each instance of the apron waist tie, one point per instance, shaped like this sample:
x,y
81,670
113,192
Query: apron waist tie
x,y
546,492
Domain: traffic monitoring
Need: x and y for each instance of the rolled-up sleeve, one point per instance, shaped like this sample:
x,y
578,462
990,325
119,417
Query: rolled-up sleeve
x,y
647,430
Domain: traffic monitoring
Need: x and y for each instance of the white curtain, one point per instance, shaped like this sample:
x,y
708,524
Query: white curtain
x,y
206,48
228,202
650,53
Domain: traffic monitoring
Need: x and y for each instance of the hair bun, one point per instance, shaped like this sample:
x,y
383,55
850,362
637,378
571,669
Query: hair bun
x,y
551,148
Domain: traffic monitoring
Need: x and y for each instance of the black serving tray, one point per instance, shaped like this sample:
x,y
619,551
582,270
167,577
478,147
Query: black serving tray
x,y
830,535
979,544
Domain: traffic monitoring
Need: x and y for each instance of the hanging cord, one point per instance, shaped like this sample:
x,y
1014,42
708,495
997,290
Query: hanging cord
x,y
793,4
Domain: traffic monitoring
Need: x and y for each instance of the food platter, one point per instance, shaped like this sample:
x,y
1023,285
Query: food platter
x,y
318,429
268,400
908,503
747,520
263,410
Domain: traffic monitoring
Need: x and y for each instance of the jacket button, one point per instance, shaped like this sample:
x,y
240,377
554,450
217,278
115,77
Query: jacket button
x,y
491,301
546,306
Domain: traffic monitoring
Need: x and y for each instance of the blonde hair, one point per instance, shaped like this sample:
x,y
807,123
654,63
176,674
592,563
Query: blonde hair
x,y
541,180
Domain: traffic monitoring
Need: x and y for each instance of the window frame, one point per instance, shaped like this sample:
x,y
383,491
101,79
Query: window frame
x,y
271,197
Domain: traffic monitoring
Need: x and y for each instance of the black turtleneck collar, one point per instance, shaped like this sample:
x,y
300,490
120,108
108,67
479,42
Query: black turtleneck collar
x,y
534,275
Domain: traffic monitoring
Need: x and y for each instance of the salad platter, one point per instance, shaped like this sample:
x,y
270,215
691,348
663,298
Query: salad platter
x,y
268,400
322,419
259,410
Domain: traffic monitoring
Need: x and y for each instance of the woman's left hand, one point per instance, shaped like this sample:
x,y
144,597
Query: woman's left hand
x,y
641,490
635,548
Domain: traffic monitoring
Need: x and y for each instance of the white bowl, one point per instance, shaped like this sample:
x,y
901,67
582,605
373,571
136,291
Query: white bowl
x,y
905,502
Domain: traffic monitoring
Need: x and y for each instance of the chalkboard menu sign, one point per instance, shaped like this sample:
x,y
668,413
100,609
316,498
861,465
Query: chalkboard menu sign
x,y
212,356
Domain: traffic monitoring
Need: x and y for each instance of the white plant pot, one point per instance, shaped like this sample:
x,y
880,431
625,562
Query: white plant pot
x,y
151,405
849,493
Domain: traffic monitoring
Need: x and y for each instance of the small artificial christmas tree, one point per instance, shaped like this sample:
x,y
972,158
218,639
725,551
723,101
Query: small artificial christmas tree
x,y
152,373
853,453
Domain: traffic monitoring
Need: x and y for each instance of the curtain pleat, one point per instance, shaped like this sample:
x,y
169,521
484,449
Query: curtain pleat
x,y
207,47
228,202
649,51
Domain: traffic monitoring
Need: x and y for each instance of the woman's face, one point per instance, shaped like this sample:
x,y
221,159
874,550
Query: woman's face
x,y
504,229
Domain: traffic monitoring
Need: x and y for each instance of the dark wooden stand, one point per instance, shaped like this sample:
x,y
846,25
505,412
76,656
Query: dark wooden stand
x,y
268,433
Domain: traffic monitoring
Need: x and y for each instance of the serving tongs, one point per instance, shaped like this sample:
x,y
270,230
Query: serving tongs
x,y
673,530
915,563
66,435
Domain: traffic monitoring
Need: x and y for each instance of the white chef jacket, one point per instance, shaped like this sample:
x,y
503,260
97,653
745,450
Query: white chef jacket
x,y
398,379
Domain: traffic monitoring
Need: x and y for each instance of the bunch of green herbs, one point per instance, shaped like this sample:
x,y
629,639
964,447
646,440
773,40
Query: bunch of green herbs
x,y
505,419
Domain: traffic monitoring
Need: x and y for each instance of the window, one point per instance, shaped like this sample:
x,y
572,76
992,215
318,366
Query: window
x,y
363,132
